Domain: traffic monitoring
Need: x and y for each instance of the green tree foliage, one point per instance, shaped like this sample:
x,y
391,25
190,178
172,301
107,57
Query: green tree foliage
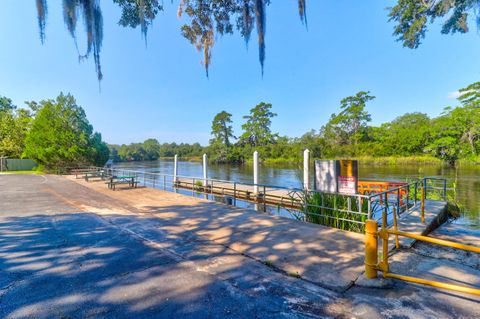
x,y
412,17
220,149
139,13
151,150
6,104
451,136
406,135
14,125
456,133
60,135
350,126
222,130
256,130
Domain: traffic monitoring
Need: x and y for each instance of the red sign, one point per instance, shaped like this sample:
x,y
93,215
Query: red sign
x,y
347,184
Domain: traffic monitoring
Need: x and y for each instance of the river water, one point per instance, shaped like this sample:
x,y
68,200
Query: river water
x,y
466,180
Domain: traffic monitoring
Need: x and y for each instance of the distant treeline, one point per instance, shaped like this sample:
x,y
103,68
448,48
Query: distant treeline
x,y
57,133
452,136
151,150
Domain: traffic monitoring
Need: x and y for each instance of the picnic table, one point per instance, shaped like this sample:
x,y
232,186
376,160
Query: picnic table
x,y
117,180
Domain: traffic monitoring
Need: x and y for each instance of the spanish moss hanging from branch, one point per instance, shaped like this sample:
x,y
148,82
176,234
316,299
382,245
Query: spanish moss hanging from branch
x,y
261,21
245,21
42,17
206,19
302,11
93,23
70,20
200,31
139,13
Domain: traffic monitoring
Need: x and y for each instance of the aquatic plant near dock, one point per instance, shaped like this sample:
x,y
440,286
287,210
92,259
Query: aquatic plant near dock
x,y
335,210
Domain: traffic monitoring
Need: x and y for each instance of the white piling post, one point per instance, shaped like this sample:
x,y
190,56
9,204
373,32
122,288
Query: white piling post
x,y
306,169
255,172
205,169
175,168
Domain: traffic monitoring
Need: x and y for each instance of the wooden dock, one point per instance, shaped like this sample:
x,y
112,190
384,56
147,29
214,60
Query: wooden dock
x,y
238,191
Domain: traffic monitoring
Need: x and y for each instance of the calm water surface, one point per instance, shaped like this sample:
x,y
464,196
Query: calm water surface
x,y
466,179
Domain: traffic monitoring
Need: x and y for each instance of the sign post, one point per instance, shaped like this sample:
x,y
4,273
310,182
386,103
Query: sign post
x,y
306,170
255,172
175,170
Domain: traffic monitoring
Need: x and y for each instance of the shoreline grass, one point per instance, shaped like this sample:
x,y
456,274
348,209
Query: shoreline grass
x,y
363,160
22,172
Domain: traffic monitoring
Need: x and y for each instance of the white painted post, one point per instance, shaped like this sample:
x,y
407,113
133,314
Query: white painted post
x,y
205,170
255,172
175,168
306,169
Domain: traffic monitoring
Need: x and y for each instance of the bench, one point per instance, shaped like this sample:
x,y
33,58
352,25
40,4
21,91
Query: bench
x,y
82,171
88,175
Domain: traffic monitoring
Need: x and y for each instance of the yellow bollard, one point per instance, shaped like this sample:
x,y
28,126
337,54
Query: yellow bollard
x,y
371,248
423,205
383,234
397,245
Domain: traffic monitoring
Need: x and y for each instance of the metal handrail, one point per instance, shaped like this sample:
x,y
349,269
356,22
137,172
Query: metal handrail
x,y
395,200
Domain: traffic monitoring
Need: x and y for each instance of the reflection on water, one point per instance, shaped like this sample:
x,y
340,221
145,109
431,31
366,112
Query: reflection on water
x,y
465,179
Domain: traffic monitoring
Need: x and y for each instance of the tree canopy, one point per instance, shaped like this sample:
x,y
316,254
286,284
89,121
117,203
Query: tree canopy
x,y
349,127
256,130
60,135
413,16
14,124
453,135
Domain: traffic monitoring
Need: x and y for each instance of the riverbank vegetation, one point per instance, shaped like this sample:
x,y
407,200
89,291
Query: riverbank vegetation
x,y
151,150
54,133
448,138
57,133
452,138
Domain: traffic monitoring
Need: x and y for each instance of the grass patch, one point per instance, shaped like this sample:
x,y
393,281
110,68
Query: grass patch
x,y
369,160
454,210
269,263
198,186
294,274
22,172
400,160
334,210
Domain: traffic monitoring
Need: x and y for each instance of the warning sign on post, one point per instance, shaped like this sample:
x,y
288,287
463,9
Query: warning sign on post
x,y
348,177
336,176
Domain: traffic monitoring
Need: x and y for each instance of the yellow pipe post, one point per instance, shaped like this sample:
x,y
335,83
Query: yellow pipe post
x,y
436,241
384,236
436,284
423,204
397,244
371,248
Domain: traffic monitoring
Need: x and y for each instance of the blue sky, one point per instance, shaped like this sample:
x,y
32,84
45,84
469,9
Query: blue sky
x,y
161,90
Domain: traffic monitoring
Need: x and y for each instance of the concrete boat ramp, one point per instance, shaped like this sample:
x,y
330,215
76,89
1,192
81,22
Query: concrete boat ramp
x,y
72,249
326,256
